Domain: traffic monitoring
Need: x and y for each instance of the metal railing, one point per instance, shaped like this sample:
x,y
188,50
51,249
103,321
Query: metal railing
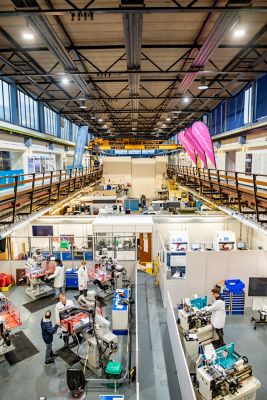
x,y
245,193
24,194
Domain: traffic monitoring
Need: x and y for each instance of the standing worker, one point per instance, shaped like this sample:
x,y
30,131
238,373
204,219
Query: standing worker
x,y
218,315
48,330
59,278
61,306
83,278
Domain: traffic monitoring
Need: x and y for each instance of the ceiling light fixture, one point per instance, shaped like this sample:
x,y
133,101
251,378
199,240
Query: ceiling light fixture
x,y
83,106
28,36
186,99
100,120
239,32
163,126
168,119
203,85
65,80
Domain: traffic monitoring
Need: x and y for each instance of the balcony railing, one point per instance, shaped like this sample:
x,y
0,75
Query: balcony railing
x,y
27,193
245,193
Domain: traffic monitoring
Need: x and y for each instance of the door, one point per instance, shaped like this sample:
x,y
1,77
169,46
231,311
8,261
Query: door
x,y
145,247
230,160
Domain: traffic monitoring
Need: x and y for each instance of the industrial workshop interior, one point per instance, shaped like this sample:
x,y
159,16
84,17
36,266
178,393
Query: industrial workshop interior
x,y
133,199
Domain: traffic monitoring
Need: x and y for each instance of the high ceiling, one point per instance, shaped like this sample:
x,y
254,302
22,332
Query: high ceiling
x,y
136,69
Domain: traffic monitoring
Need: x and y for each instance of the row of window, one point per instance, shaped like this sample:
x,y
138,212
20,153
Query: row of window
x,y
249,105
28,114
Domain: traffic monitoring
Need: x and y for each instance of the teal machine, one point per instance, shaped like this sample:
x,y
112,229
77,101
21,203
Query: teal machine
x,y
226,375
195,328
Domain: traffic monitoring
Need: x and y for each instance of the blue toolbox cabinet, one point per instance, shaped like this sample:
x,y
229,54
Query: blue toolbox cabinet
x,y
71,278
234,303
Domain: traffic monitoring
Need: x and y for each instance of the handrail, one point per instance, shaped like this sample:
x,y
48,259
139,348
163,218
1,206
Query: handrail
x,y
245,193
27,192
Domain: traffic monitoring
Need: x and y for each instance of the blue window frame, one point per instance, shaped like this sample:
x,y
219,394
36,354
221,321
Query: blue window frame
x,y
50,121
64,128
5,103
28,111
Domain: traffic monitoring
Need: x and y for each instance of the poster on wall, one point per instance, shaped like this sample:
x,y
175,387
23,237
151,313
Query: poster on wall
x,y
248,163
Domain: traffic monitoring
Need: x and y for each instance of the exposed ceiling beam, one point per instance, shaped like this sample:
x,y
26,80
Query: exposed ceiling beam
x,y
126,10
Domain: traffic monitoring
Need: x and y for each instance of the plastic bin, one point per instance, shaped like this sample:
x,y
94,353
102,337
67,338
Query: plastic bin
x,y
234,285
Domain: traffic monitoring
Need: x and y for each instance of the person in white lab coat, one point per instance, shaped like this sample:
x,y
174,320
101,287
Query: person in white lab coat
x,y
83,278
63,305
59,278
218,315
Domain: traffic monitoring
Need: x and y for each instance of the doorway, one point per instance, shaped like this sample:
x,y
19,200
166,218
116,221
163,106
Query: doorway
x,y
230,161
145,242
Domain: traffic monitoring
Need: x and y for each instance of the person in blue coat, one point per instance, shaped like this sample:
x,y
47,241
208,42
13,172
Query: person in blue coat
x,y
48,330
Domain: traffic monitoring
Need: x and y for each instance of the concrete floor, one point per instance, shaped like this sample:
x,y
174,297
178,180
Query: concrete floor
x,y
250,343
29,380
157,373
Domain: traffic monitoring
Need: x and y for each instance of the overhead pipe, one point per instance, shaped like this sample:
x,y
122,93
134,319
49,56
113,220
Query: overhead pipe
x,y
212,42
43,27
133,26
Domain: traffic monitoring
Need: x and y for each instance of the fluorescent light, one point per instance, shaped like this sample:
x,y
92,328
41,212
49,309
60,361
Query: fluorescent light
x,y
100,120
28,36
203,85
83,106
239,32
65,80
168,119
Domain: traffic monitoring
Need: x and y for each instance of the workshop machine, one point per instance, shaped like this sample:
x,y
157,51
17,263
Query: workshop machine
x,y
9,319
108,275
36,270
226,376
195,328
101,345
99,342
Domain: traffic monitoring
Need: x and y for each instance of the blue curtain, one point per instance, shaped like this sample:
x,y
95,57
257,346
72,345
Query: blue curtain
x,y
235,111
261,98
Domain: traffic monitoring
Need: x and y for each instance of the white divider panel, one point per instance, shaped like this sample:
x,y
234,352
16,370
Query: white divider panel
x,y
136,339
184,379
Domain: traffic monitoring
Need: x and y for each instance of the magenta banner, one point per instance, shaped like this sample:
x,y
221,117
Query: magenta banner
x,y
195,144
201,133
187,146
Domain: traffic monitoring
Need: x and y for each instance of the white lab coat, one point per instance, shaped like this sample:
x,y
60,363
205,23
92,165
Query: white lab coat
x,y
218,314
60,307
59,276
82,278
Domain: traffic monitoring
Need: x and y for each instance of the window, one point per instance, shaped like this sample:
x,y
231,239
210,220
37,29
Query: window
x,y
50,121
5,107
5,161
248,106
74,132
64,128
28,111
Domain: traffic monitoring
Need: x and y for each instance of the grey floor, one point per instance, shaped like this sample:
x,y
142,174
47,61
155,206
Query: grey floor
x,y
29,379
157,373
250,343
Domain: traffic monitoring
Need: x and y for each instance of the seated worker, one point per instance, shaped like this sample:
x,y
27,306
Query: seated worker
x,y
218,316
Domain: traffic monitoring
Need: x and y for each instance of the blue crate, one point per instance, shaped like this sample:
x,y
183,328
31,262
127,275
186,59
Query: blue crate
x,y
234,285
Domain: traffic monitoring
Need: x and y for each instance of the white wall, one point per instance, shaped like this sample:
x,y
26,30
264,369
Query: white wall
x,y
145,175
205,269
117,170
